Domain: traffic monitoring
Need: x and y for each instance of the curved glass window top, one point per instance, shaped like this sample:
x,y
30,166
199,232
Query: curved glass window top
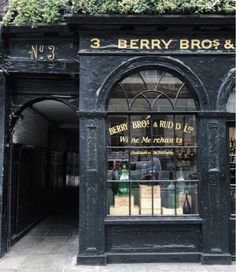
x,y
151,90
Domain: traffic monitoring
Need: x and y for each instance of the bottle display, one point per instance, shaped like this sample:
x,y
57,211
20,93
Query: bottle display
x,y
152,174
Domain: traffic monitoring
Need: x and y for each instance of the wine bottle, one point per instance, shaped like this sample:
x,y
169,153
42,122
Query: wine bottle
x,y
171,196
123,187
180,182
116,172
186,206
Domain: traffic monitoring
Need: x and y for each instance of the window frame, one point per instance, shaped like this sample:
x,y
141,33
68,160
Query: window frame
x,y
129,147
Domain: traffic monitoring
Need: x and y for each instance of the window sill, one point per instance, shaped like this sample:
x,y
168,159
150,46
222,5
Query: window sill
x,y
157,220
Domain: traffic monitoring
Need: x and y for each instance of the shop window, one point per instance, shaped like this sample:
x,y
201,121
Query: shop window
x,y
152,147
231,108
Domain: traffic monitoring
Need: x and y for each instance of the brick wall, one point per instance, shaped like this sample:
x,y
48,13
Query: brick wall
x,y
31,129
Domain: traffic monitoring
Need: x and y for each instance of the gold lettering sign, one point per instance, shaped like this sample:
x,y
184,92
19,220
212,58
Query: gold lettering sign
x,y
145,123
147,140
154,152
166,44
43,52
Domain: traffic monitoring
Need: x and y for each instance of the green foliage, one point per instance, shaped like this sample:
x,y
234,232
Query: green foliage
x,y
52,10
21,12
31,12
135,7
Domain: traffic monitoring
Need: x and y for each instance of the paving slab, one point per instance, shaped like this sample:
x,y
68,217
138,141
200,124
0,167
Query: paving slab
x,y
47,248
11,262
8,270
159,267
43,261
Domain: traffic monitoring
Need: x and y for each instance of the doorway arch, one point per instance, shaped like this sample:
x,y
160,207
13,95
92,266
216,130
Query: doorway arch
x,y
44,163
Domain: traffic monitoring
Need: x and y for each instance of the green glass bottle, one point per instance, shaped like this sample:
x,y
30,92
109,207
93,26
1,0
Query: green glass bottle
x,y
123,187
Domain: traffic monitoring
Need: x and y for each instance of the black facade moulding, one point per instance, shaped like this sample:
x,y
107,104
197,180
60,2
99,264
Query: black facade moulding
x,y
83,63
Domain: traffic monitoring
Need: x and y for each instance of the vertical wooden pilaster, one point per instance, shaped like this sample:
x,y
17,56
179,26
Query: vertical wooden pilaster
x,y
214,192
4,159
92,191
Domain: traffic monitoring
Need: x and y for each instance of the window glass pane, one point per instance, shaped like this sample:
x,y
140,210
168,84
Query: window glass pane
x,y
118,101
141,103
133,84
185,131
169,85
163,103
163,164
184,100
152,78
174,201
141,164
152,90
186,163
149,199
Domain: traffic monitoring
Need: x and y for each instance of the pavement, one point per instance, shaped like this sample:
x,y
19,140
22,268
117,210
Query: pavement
x,y
52,246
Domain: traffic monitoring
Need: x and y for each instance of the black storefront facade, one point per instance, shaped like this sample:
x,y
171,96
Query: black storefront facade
x,y
153,96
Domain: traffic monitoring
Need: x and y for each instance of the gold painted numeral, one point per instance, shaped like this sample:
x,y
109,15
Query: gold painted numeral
x,y
95,43
52,54
39,52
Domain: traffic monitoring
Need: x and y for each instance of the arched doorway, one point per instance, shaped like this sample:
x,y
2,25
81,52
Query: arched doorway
x,y
44,171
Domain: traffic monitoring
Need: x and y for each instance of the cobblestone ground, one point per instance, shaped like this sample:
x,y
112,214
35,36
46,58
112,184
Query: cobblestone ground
x,y
52,247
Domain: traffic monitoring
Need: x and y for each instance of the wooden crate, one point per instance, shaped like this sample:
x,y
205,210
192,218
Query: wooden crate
x,y
148,211
146,191
123,210
123,201
147,203
166,211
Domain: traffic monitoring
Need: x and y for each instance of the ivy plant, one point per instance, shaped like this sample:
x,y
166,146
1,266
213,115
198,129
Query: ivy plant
x,y
32,12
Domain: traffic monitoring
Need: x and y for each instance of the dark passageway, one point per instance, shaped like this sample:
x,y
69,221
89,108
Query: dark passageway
x,y
45,172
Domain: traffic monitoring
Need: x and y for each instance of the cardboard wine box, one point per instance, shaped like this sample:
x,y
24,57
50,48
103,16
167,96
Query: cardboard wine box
x,y
147,203
148,211
121,201
167,211
146,191
123,210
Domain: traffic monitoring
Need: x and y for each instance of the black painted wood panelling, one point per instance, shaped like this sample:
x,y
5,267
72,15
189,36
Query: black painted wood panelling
x,y
60,85
143,238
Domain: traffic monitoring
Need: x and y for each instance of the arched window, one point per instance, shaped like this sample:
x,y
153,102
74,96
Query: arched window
x,y
152,146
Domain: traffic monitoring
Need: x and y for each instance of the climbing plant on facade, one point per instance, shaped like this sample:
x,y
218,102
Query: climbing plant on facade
x,y
32,12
